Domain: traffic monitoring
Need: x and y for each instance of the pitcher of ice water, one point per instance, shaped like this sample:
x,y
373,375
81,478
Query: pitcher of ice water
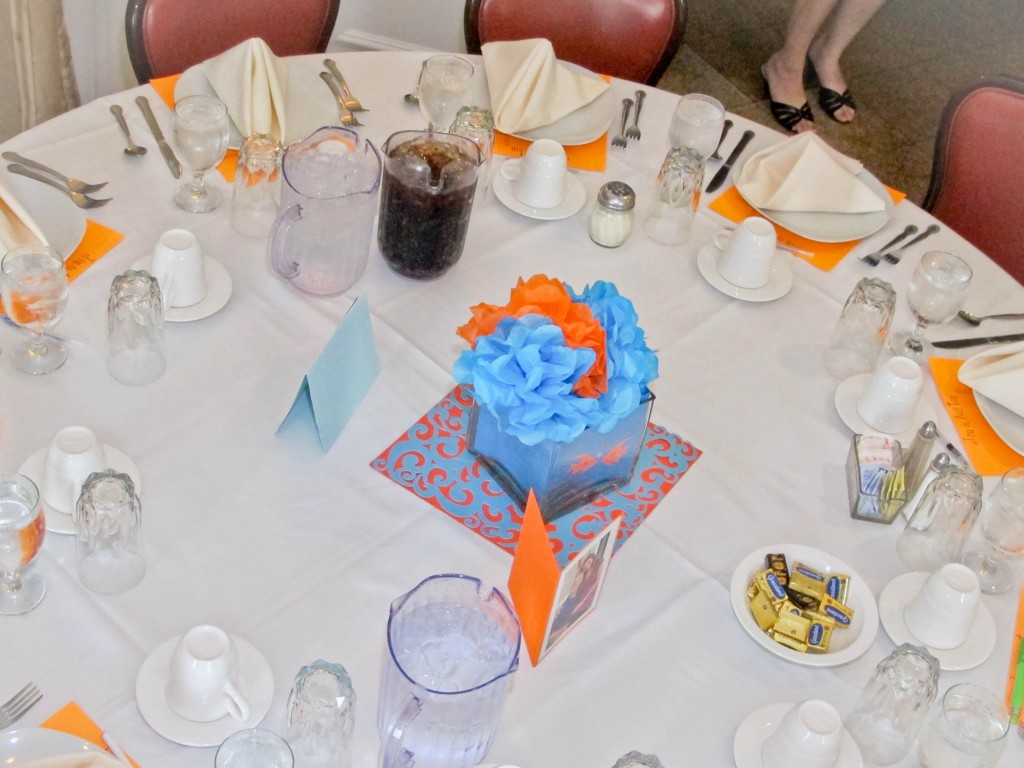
x,y
320,240
452,648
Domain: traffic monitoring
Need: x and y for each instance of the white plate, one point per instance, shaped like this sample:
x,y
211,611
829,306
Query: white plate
x,y
974,650
582,126
308,102
62,522
1004,422
846,644
25,745
779,282
218,291
848,393
61,221
761,723
575,197
831,227
257,686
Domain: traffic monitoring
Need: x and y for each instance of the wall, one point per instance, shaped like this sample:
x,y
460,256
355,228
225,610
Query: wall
x,y
96,29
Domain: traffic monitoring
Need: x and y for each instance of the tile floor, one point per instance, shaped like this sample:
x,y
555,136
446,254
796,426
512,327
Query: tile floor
x,y
902,69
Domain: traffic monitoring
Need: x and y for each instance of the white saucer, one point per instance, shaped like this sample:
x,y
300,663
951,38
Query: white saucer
x,y
61,522
218,291
575,197
974,650
761,723
257,687
779,281
848,393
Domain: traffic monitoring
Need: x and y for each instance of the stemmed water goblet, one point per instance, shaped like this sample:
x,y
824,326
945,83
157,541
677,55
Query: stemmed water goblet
x,y
201,136
443,83
935,294
1002,528
22,527
35,292
697,124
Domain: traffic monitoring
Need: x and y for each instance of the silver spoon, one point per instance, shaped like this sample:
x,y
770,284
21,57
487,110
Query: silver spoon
x,y
132,149
414,97
976,319
725,129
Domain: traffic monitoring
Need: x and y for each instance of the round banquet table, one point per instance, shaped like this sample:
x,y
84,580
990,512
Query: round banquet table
x,y
300,551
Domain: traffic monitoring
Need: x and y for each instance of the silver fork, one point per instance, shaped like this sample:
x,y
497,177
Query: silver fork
x,y
633,132
893,257
351,102
345,115
80,199
620,140
73,184
18,705
876,256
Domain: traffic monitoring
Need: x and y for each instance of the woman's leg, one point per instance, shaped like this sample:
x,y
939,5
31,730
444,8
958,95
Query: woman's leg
x,y
827,48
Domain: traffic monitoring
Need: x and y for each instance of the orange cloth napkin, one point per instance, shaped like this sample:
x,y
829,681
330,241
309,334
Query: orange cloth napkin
x,y
826,255
164,87
989,455
72,719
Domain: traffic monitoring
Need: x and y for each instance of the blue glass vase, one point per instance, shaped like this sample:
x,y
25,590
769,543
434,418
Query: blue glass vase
x,y
563,476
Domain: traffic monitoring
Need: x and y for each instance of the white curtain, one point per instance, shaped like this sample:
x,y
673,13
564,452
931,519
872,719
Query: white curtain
x,y
37,80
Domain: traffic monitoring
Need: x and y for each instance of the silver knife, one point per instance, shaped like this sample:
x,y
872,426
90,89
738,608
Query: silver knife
x,y
165,148
723,172
978,341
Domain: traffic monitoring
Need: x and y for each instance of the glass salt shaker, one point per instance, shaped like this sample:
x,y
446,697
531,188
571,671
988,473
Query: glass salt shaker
x,y
611,221
256,188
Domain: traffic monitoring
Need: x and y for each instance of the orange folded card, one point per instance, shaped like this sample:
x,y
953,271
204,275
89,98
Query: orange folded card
x,y
72,719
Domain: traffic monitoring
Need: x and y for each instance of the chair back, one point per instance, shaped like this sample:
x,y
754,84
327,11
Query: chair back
x,y
977,183
631,39
166,37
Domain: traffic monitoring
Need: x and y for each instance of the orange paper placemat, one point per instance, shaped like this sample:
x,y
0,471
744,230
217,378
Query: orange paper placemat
x,y
732,206
97,241
72,719
164,87
989,455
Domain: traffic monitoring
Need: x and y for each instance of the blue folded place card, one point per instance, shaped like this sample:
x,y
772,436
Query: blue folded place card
x,y
339,378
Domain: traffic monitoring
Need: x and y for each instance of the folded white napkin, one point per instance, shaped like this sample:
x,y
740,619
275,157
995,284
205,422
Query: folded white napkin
x,y
803,173
253,83
75,760
531,88
998,374
16,226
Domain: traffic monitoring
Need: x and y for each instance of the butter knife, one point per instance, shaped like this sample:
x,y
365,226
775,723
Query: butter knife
x,y
977,341
165,148
723,172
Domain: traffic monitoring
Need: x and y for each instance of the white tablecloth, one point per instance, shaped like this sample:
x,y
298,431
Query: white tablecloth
x,y
300,552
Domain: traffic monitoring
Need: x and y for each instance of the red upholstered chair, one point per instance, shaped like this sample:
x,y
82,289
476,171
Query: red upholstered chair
x,y
631,39
166,37
977,184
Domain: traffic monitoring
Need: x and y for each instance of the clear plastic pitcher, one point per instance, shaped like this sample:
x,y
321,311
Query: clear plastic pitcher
x,y
452,647
320,240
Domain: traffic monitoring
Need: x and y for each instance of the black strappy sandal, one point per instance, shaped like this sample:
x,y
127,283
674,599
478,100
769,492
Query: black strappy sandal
x,y
832,101
786,115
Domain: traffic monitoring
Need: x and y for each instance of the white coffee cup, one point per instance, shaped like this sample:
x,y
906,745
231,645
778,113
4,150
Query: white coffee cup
x,y
942,613
890,398
748,252
202,683
73,455
178,267
808,736
538,179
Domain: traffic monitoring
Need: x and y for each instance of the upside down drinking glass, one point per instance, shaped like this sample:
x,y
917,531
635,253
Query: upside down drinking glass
x,y
935,294
201,136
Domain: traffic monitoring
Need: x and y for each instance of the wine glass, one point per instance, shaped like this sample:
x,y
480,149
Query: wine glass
x,y
935,294
1002,527
444,80
201,136
35,293
697,124
22,527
